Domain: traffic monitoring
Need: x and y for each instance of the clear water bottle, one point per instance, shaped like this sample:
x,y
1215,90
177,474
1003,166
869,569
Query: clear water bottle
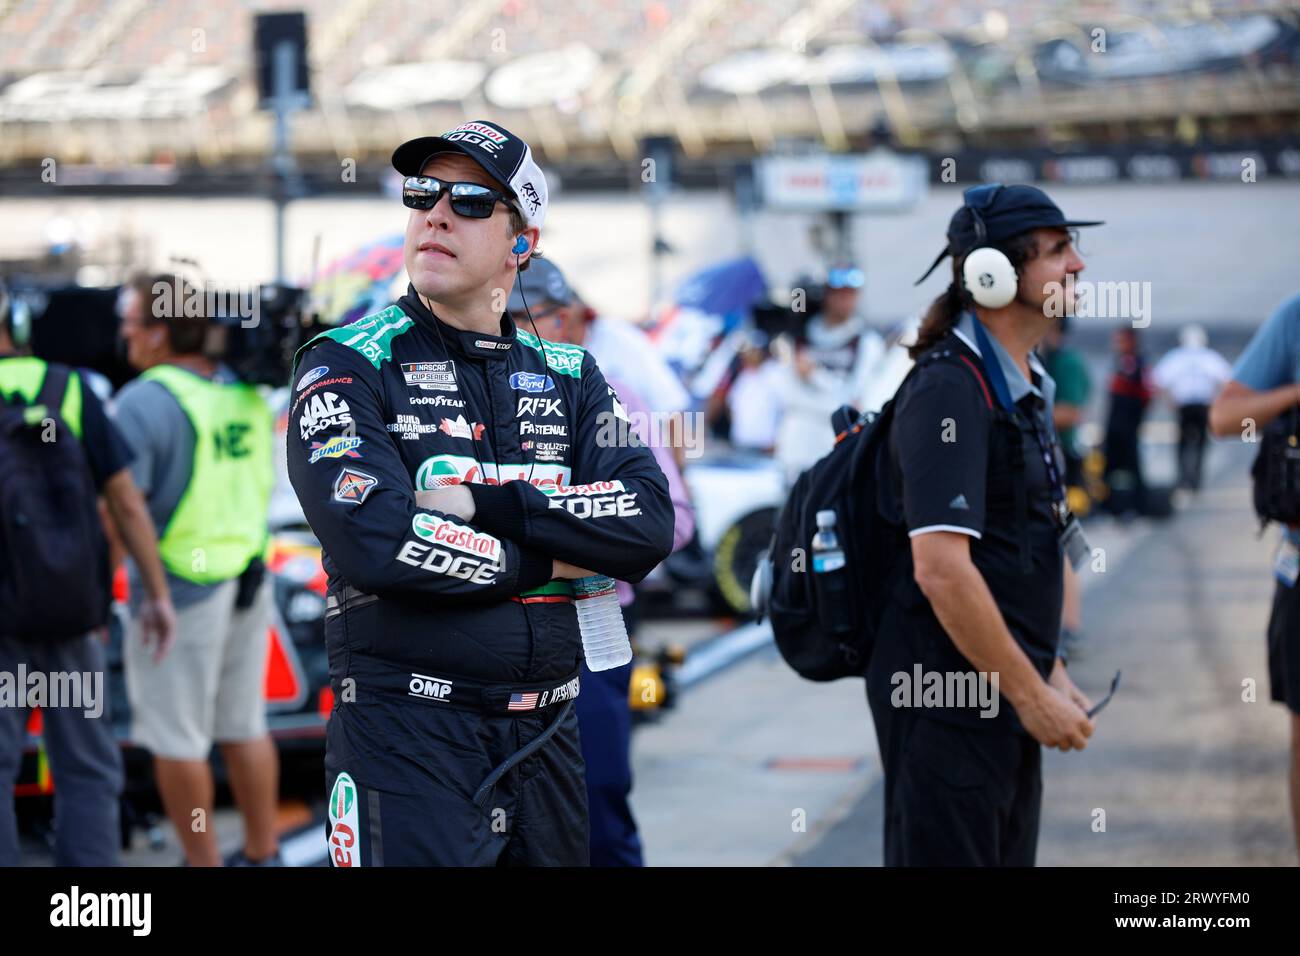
x,y
600,621
827,555
831,577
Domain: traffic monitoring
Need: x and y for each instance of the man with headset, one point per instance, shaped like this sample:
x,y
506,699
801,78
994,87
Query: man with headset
x,y
452,465
976,482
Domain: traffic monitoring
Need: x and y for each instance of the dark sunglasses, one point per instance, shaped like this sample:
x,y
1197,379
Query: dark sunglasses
x,y
1096,708
467,199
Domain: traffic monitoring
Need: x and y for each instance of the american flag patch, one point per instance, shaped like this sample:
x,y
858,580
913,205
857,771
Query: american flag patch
x,y
523,701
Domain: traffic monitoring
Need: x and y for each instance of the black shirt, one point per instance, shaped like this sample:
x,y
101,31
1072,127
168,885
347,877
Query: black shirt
x,y
106,449
961,464
107,452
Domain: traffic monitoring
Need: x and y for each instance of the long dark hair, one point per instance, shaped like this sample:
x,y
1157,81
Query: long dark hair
x,y
945,311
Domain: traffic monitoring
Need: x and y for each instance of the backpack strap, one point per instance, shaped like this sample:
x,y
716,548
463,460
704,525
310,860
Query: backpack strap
x,y
53,388
938,354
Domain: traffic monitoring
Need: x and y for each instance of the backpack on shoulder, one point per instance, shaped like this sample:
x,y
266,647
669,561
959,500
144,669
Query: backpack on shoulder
x,y
1276,471
54,578
825,604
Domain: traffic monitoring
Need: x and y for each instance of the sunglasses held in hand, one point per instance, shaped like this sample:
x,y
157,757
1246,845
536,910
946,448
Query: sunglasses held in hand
x,y
470,200
1096,708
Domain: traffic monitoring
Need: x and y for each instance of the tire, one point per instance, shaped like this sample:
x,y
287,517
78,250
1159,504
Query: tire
x,y
737,555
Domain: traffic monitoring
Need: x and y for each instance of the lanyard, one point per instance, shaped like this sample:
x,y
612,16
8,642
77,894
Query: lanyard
x,y
1046,447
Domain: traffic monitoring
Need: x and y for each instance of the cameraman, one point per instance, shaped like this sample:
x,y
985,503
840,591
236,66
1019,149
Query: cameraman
x,y
202,442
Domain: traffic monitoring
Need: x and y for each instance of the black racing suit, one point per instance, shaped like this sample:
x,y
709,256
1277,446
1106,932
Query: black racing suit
x,y
450,648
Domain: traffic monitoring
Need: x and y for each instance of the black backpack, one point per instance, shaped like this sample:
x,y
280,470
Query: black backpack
x,y
825,624
1276,470
54,578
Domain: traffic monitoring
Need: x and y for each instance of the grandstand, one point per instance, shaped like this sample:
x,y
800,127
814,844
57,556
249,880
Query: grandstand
x,y
135,82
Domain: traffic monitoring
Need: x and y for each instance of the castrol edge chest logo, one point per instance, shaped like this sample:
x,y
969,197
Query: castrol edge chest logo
x,y
443,471
452,535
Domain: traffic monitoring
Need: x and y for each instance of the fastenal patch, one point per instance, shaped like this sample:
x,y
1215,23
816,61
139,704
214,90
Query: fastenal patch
x,y
337,447
352,487
430,376
458,536
345,823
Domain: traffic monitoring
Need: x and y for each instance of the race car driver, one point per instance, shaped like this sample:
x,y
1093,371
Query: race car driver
x,y
459,472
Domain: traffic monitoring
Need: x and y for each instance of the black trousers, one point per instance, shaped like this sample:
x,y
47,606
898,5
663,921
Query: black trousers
x,y
1284,646
402,777
956,796
1193,430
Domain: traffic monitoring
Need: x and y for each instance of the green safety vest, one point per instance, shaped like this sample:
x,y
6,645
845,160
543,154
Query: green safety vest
x,y
219,525
24,375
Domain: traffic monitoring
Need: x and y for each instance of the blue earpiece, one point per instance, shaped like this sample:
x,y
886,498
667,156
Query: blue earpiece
x,y
521,246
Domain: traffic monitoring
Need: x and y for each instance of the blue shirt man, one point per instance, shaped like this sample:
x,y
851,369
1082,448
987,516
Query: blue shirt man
x,y
1266,383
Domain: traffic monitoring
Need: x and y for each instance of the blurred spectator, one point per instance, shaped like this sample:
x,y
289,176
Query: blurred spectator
x,y
202,441
604,712
1191,375
1073,389
831,367
1265,383
1130,393
754,401
1073,386
626,353
84,756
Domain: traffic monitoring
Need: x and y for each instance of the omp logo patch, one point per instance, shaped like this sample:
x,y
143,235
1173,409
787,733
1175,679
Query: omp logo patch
x,y
429,688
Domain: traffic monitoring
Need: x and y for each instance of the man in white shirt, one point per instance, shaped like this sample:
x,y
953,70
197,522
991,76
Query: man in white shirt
x,y
627,355
754,399
1191,375
832,366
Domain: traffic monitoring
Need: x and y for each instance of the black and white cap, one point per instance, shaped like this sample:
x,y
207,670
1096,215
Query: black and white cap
x,y
502,154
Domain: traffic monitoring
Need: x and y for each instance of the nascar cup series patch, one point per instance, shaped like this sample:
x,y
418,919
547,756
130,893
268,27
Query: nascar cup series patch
x,y
430,376
345,823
